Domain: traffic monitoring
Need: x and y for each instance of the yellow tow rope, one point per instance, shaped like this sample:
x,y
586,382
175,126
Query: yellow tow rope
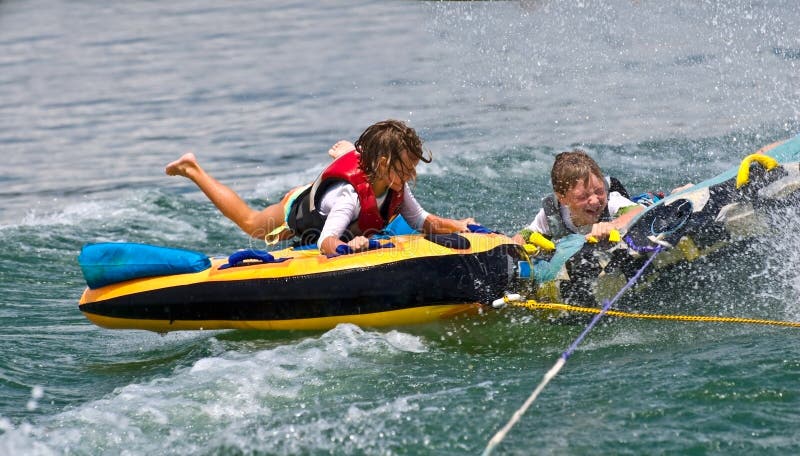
x,y
535,305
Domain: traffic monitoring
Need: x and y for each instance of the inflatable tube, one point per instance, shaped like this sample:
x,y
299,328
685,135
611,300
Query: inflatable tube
x,y
700,220
407,280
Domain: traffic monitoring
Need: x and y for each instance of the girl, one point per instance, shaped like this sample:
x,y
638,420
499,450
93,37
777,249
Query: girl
x,y
355,197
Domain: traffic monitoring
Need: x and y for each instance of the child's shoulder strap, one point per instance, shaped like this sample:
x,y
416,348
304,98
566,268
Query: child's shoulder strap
x,y
614,185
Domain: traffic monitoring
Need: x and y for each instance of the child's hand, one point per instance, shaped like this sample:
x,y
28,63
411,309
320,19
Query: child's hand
x,y
436,224
462,224
358,244
601,230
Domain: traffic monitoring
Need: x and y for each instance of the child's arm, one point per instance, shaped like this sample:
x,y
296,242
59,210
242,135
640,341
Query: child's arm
x,y
538,225
329,244
422,220
342,206
436,224
602,229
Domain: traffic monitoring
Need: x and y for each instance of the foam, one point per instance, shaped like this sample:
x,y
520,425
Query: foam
x,y
221,400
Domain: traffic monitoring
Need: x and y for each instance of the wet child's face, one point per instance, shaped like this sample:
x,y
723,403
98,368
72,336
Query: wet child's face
x,y
586,200
397,174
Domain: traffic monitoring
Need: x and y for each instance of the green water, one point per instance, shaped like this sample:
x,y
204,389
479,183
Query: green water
x,y
96,98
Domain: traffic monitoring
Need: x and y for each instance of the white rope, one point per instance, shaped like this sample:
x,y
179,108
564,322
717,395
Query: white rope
x,y
501,434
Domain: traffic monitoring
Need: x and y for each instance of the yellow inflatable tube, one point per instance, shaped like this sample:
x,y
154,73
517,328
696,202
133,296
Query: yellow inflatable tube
x,y
414,279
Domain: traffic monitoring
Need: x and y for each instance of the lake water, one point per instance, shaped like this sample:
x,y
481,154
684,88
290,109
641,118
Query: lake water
x,y
96,97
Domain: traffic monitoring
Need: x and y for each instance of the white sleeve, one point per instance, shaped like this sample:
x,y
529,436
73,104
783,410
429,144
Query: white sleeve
x,y
616,202
539,223
340,204
414,214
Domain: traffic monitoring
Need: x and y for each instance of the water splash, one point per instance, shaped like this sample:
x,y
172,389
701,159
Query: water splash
x,y
235,399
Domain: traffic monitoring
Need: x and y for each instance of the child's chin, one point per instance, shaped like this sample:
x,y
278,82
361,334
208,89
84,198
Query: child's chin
x,y
589,219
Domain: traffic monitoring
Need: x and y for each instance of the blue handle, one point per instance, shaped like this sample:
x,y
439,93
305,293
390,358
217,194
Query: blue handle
x,y
239,258
479,229
345,249
242,255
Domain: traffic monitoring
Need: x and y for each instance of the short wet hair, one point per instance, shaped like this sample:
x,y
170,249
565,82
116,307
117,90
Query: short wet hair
x,y
389,138
572,167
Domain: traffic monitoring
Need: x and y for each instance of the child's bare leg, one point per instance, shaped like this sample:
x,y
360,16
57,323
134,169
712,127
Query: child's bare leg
x,y
769,147
254,223
681,188
340,148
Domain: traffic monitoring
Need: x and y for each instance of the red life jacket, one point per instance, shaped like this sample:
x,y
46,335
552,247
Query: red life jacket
x,y
306,221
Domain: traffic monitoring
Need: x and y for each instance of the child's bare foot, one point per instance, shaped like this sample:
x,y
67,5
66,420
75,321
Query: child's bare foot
x,y
183,165
340,148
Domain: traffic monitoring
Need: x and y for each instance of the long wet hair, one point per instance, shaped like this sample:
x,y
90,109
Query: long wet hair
x,y
389,139
572,167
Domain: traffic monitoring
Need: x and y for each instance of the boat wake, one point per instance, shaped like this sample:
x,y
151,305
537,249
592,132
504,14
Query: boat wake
x,y
237,399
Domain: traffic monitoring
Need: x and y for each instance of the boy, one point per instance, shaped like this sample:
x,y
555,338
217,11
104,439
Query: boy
x,y
583,201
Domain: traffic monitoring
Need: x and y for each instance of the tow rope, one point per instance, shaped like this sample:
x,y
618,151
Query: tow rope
x,y
530,304
535,305
517,301
501,434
